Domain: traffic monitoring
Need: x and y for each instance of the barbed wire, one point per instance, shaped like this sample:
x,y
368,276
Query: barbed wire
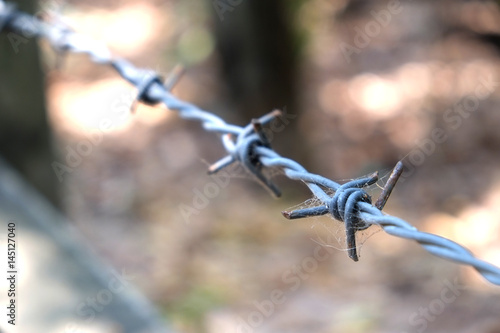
x,y
249,146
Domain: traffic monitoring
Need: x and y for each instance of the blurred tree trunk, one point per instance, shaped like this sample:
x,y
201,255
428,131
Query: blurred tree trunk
x,y
25,135
259,54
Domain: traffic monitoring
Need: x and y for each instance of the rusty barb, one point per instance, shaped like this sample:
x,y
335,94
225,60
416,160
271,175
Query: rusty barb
x,y
389,185
169,84
249,145
244,151
342,206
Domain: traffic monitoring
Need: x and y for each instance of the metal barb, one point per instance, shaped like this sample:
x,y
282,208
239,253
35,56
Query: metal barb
x,y
306,212
147,79
221,164
389,186
244,151
174,77
257,127
267,118
351,244
133,106
268,184
343,207
169,83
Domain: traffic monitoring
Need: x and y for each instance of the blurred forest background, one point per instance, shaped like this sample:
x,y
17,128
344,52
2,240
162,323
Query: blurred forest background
x,y
364,84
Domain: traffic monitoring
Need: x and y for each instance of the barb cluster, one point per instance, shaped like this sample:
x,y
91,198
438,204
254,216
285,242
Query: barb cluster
x,y
250,147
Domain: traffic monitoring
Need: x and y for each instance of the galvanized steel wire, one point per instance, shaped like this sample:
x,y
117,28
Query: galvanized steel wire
x,y
250,147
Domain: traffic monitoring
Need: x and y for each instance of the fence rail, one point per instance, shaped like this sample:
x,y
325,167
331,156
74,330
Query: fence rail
x,y
249,146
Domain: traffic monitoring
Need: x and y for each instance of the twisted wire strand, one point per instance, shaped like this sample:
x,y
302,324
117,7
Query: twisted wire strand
x,y
250,147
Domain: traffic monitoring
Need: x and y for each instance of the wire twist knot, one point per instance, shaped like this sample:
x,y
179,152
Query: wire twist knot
x,y
244,150
343,207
